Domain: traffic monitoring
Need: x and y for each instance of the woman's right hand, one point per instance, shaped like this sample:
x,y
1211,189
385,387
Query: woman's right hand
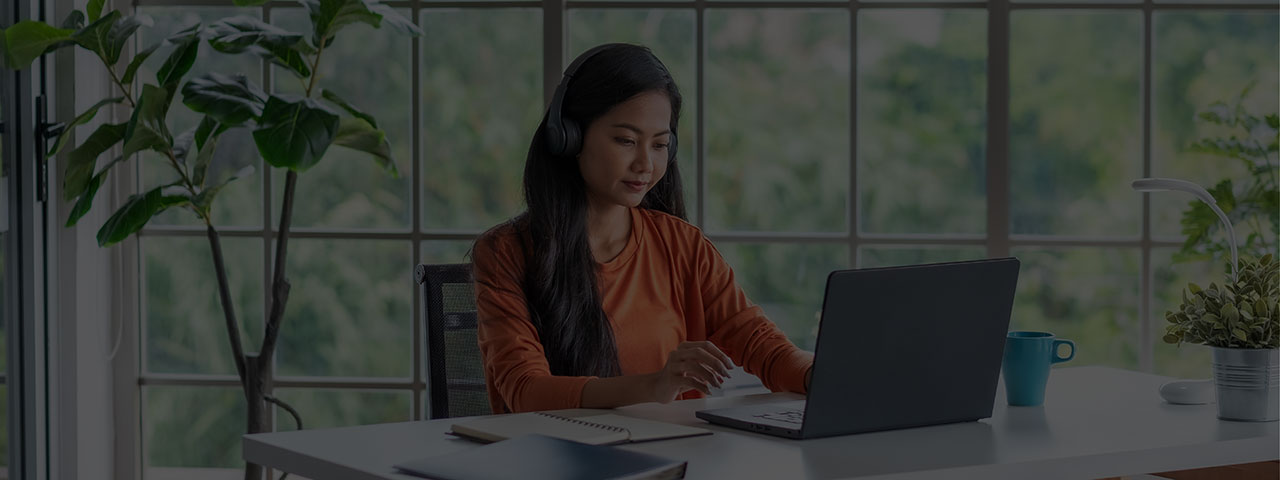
x,y
692,366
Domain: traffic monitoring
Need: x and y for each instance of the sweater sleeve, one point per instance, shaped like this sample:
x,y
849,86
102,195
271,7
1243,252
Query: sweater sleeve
x,y
515,364
741,330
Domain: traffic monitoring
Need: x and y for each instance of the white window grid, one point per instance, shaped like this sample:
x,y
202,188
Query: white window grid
x,y
998,240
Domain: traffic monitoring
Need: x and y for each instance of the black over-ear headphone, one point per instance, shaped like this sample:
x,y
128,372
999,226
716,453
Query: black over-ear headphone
x,y
563,135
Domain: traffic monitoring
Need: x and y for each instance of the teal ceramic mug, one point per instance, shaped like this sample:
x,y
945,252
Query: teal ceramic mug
x,y
1027,357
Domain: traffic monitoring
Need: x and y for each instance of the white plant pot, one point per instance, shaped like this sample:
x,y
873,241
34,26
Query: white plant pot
x,y
1248,383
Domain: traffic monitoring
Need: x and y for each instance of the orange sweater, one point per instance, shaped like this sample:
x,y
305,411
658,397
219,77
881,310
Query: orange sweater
x,y
668,285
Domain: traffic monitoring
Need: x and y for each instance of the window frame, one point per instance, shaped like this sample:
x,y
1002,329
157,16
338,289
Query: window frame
x,y
998,239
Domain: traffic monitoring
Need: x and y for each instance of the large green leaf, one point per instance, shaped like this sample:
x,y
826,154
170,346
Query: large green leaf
x,y
118,35
333,98
186,48
83,159
205,198
247,34
147,129
27,40
208,128
239,34
329,16
136,63
389,17
182,144
137,211
230,100
359,135
85,202
94,36
95,9
108,35
81,119
206,143
294,132
74,20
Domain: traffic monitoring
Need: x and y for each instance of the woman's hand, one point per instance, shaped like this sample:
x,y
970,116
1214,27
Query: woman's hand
x,y
692,366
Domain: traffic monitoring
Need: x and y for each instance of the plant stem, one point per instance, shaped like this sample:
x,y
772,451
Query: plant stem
x,y
257,387
127,95
279,284
315,67
186,180
228,308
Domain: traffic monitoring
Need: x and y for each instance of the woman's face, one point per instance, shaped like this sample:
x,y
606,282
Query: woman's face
x,y
624,152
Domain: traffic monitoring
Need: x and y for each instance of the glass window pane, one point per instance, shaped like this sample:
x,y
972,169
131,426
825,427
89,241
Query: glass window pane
x,y
889,256
922,89
349,310
1202,58
1075,126
1169,280
670,33
191,427
326,408
185,330
787,281
1087,295
446,251
348,188
481,102
240,203
777,120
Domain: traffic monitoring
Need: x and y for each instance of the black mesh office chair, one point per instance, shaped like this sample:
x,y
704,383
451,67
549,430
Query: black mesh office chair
x,y
455,375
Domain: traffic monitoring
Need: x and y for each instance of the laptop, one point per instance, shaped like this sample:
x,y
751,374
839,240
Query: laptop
x,y
898,347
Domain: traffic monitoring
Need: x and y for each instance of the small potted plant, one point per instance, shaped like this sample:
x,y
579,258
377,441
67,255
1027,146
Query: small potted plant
x,y
1241,322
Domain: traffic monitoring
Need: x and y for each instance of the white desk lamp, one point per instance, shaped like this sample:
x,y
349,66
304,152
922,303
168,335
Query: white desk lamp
x,y
1165,184
1191,392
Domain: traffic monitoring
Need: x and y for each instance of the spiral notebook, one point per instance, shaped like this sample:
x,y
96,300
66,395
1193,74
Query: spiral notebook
x,y
606,429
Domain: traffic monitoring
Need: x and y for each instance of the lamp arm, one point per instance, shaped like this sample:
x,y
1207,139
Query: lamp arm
x,y
1231,239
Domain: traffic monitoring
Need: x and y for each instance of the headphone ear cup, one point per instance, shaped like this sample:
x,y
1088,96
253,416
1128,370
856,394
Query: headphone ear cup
x,y
672,147
572,138
554,137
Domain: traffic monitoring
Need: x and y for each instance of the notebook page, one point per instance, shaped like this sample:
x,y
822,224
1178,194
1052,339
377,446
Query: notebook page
x,y
508,426
646,430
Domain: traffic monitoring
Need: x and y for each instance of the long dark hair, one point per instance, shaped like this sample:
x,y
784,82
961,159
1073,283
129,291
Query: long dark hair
x,y
560,284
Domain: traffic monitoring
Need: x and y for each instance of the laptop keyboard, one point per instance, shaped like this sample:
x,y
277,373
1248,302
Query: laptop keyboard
x,y
786,416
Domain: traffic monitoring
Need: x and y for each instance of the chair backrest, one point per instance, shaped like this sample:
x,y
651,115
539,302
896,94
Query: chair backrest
x,y
455,374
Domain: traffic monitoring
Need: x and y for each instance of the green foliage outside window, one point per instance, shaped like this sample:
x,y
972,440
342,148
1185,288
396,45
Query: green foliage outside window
x,y
1253,148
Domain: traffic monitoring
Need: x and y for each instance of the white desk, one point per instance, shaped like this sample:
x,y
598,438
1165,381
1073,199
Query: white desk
x,y
1096,422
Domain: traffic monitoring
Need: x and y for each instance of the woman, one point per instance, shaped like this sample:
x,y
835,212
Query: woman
x,y
600,295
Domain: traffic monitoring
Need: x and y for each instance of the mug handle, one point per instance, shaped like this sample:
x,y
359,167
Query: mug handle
x,y
1056,343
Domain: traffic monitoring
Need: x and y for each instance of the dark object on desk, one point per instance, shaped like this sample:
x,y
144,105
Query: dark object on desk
x,y
898,347
535,457
454,369
607,429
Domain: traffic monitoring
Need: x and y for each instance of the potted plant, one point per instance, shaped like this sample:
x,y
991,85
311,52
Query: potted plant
x,y
1240,321
291,133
